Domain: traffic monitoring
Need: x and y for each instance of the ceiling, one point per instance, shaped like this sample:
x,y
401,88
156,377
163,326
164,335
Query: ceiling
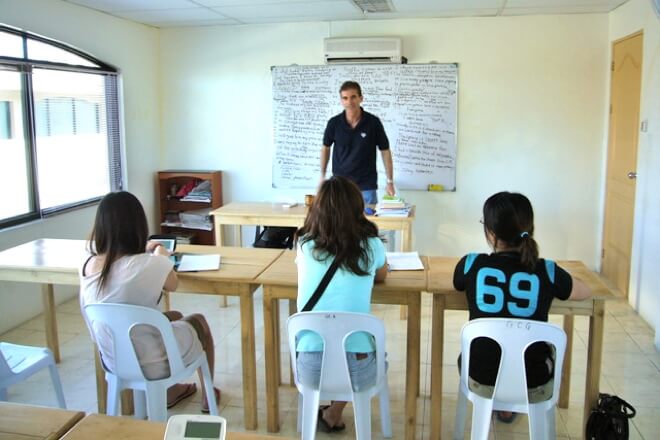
x,y
172,13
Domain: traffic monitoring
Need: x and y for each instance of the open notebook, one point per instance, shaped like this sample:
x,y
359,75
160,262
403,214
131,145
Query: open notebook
x,y
196,262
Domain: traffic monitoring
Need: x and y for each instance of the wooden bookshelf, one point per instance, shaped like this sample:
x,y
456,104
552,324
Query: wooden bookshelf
x,y
170,204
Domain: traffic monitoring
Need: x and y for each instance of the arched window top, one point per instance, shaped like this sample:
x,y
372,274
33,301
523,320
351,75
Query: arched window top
x,y
21,46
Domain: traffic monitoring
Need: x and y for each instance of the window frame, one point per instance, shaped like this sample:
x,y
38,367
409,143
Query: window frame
x,y
25,66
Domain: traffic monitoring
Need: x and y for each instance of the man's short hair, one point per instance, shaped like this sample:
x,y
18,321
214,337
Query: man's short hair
x,y
350,85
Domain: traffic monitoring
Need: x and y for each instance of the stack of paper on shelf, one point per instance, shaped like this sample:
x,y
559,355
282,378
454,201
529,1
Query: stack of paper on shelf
x,y
197,219
392,206
200,193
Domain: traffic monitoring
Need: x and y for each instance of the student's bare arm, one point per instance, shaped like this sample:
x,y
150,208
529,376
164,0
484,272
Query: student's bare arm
x,y
580,290
172,281
325,157
381,273
389,171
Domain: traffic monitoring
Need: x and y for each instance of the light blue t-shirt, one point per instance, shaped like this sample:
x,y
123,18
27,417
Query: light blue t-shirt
x,y
346,292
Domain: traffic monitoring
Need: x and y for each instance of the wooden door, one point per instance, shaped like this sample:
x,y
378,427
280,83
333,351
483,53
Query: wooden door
x,y
622,160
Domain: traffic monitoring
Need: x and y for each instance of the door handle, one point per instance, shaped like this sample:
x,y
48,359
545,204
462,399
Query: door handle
x,y
632,175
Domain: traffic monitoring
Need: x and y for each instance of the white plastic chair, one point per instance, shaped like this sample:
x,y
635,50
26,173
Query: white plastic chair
x,y
18,362
335,382
510,394
119,319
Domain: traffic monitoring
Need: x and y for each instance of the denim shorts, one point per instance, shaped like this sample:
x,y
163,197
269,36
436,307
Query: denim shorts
x,y
370,196
362,371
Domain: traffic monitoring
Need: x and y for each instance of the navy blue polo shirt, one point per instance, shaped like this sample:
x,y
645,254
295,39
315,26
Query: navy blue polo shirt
x,y
354,152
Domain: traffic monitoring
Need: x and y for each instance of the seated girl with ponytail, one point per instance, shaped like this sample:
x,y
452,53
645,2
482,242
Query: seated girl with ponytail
x,y
489,280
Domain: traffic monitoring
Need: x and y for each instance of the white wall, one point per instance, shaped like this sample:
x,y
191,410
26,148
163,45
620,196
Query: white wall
x,y
134,50
531,112
644,294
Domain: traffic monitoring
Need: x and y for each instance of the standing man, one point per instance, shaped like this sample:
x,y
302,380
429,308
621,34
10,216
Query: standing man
x,y
356,134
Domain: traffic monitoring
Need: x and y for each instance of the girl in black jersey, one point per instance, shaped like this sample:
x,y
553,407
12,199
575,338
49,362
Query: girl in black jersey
x,y
512,282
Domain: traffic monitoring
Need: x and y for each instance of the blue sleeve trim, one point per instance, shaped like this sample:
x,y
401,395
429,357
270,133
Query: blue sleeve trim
x,y
550,268
469,261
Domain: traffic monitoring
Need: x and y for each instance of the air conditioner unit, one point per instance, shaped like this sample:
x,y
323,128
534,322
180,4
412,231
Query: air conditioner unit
x,y
363,50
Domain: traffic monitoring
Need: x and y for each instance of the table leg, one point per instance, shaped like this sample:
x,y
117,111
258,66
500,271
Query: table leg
x,y
220,241
272,381
594,358
238,237
566,368
278,340
101,385
413,364
437,343
219,236
249,363
50,320
406,241
127,402
406,238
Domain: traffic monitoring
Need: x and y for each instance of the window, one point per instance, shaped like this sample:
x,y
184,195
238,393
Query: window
x,y
59,127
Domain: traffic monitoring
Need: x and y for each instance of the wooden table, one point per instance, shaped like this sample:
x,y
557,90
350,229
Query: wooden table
x,y
274,214
101,427
445,297
31,422
54,261
280,281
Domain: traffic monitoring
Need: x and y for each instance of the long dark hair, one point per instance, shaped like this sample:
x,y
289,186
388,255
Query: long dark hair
x,y
120,228
337,226
510,218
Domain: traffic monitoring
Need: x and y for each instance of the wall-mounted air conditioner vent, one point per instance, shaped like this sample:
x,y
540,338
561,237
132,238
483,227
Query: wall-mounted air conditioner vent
x,y
363,50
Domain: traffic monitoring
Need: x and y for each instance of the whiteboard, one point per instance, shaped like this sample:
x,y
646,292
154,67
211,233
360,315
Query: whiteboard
x,y
416,103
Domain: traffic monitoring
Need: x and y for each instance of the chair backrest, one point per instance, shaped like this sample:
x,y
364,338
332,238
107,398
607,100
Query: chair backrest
x,y
275,237
5,370
119,319
513,336
334,328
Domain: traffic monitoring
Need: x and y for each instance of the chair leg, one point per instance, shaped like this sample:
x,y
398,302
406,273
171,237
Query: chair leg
x,y
461,415
482,410
139,404
541,422
57,384
300,411
156,402
310,411
385,414
208,387
112,405
362,411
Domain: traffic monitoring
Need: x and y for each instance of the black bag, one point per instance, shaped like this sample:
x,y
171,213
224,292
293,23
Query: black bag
x,y
609,420
276,237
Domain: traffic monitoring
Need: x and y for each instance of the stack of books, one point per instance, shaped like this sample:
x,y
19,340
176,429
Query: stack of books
x,y
200,193
392,206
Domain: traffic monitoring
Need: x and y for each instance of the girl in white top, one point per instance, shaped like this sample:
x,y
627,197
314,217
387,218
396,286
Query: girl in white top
x,y
125,268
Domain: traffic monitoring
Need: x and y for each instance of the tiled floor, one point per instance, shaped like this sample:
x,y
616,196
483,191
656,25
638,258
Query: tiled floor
x,y
631,369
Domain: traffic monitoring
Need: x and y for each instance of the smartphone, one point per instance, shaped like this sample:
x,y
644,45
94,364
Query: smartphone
x,y
192,426
166,240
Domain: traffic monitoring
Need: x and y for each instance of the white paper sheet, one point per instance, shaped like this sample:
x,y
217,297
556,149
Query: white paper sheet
x,y
404,261
194,263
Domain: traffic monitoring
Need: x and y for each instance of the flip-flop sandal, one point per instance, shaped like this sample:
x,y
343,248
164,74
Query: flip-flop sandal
x,y
190,390
507,420
205,404
323,426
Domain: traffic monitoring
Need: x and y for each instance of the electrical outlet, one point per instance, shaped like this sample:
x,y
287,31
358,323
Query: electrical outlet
x,y
644,127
